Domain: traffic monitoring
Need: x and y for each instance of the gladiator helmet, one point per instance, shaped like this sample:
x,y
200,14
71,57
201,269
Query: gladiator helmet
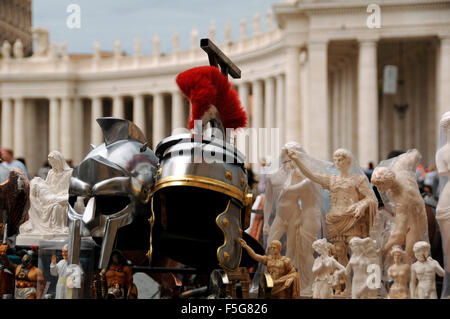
x,y
110,189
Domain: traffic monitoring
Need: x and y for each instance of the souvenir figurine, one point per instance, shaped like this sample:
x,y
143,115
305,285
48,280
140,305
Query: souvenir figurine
x,y
29,279
400,272
325,270
63,272
118,278
397,179
114,181
286,281
424,271
284,189
364,254
14,199
201,200
443,206
48,204
353,203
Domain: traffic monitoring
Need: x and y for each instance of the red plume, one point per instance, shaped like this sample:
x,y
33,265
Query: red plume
x,y
205,86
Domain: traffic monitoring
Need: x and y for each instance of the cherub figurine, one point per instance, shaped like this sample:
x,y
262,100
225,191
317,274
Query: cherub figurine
x,y
29,278
400,185
325,268
400,273
286,281
353,203
424,271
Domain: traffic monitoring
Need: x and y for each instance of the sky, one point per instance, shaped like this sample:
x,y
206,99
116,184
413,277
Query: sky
x,y
107,21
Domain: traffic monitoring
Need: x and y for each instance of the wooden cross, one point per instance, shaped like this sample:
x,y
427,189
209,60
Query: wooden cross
x,y
218,58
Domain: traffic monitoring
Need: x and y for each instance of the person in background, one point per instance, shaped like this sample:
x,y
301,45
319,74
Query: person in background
x,y
432,180
9,162
369,170
251,176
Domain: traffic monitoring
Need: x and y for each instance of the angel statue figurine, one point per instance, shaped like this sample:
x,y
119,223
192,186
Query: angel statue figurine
x,y
353,203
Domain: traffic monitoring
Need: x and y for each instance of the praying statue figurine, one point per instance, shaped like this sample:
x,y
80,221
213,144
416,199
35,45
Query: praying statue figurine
x,y
286,281
424,271
49,202
353,203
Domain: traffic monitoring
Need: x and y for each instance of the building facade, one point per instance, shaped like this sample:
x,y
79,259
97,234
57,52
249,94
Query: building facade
x,y
15,23
316,74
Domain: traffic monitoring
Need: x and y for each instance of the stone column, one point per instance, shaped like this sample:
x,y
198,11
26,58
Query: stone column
x,y
335,109
258,104
118,107
66,127
294,108
444,78
410,87
96,112
78,133
243,90
269,103
433,131
53,134
158,118
19,127
349,108
178,120
139,112
367,103
280,109
7,121
317,110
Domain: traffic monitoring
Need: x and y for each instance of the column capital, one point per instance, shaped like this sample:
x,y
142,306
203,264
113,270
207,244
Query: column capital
x,y
366,42
314,45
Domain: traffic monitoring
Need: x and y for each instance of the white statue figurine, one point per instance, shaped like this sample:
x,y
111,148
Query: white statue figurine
x,y
284,189
18,49
424,270
443,168
353,203
400,185
364,254
49,201
6,51
60,270
325,268
400,272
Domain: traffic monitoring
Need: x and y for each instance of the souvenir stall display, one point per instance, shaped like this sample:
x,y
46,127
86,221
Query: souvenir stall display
x,y
179,217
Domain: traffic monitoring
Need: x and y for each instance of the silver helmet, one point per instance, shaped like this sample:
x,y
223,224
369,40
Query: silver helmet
x,y
201,200
111,188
